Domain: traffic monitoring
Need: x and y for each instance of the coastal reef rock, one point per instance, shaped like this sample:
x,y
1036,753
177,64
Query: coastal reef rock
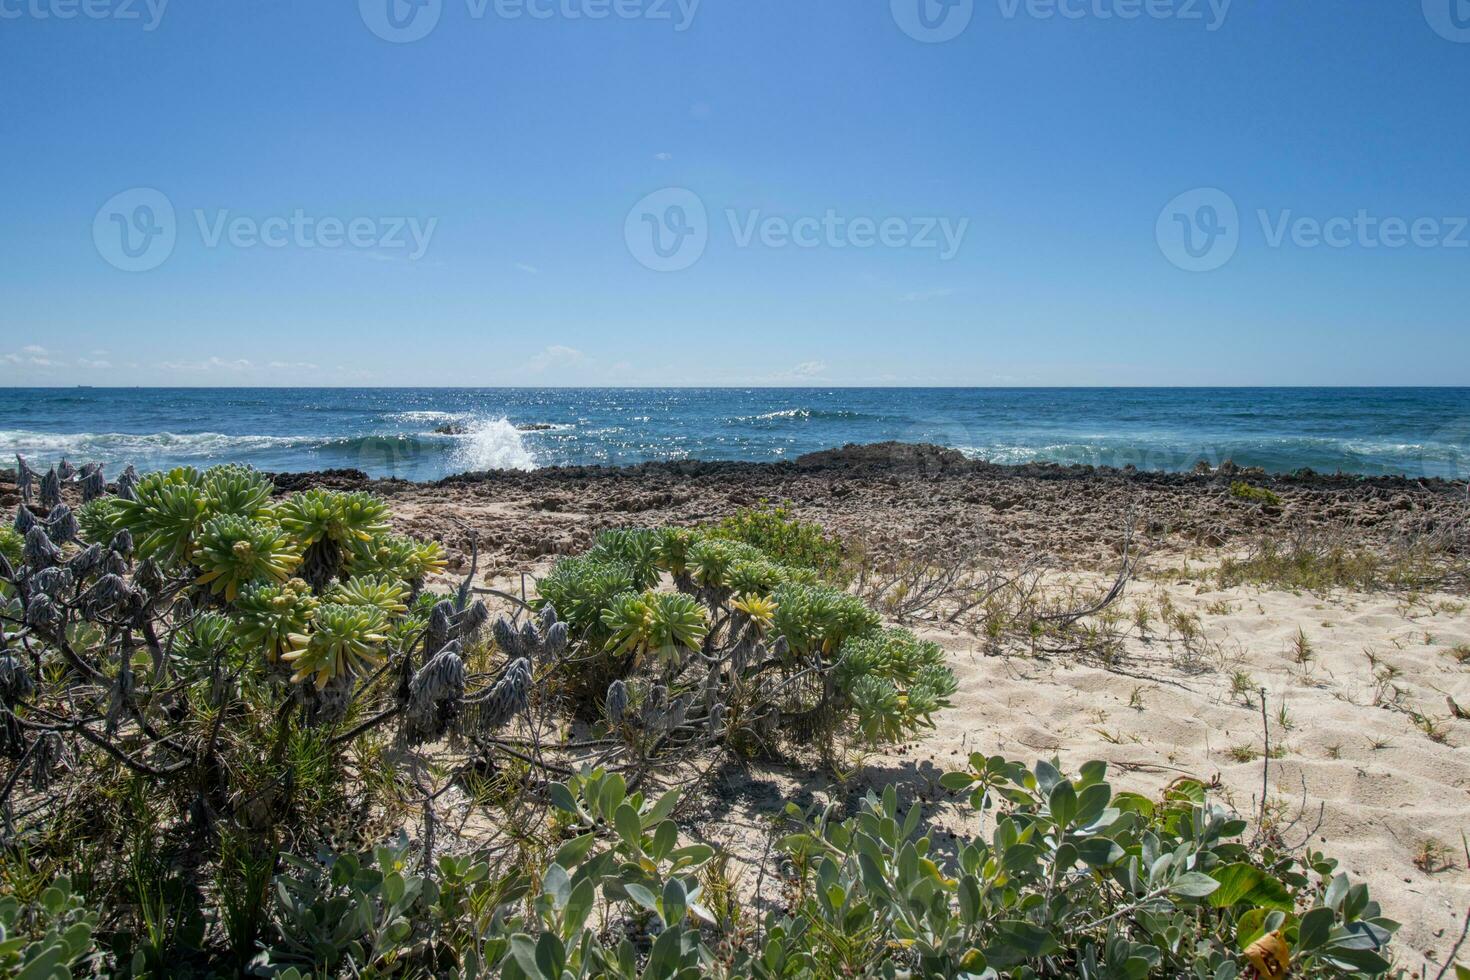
x,y
902,500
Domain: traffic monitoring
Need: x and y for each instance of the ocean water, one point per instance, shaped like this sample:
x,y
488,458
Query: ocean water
x,y
390,431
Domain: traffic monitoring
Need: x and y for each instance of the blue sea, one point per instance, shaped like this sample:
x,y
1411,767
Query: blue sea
x,y
391,431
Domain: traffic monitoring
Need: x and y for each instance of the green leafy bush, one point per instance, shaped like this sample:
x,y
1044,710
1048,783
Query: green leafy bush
x,y
895,681
785,539
1256,495
1073,880
49,938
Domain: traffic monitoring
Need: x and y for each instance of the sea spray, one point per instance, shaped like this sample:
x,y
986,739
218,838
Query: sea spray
x,y
491,444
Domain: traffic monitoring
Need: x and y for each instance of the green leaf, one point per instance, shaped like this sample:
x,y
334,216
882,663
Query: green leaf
x,y
969,897
579,906
676,902
558,884
1192,884
641,895
611,796
1245,884
1017,941
1099,852
665,836
1134,803
691,854
1063,803
562,798
550,956
956,780
570,854
661,809
630,828
1358,960
663,959
523,951
1315,927
45,966
1092,802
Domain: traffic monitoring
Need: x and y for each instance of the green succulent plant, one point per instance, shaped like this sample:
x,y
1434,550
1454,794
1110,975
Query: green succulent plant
x,y
239,490
100,519
387,592
785,540
635,549
757,610
818,618
268,615
658,623
166,514
396,555
345,518
234,551
581,589
758,577
343,641
209,634
12,545
711,561
671,549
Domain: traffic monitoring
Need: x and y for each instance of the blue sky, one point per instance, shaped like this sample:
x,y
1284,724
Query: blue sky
x,y
1006,206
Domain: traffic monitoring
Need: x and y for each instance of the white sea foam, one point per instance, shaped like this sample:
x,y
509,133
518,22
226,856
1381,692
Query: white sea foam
x,y
785,413
114,444
492,444
428,416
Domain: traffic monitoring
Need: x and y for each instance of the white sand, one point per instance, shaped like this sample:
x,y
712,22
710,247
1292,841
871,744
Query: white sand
x,y
1383,786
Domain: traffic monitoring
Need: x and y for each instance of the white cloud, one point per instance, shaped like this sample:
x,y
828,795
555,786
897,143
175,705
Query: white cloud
x,y
808,369
34,349
555,356
665,157
527,268
88,362
210,364
292,365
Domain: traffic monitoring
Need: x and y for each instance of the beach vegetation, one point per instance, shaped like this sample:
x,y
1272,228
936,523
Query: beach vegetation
x,y
247,733
786,539
1314,563
1241,490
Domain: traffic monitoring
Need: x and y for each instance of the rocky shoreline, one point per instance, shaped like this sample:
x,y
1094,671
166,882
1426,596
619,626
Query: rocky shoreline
x,y
904,500
913,499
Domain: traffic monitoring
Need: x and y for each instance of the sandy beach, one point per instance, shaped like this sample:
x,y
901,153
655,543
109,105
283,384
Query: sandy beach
x,y
1362,684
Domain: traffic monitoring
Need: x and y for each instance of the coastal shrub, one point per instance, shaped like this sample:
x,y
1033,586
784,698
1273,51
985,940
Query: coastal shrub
x,y
49,935
785,539
1319,564
12,545
240,721
707,650
1256,495
894,681
819,618
1071,880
